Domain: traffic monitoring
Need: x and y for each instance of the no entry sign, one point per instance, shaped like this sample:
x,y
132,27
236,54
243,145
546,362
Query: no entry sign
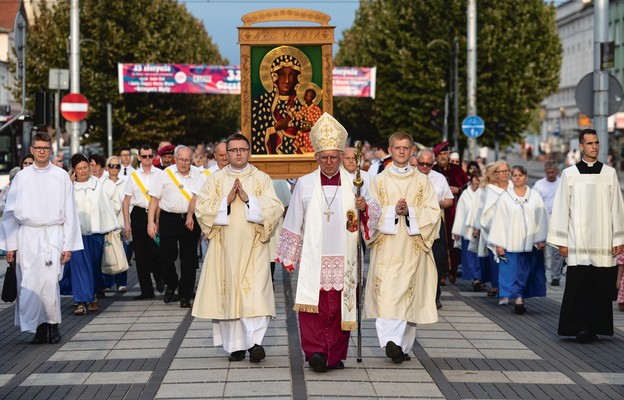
x,y
74,107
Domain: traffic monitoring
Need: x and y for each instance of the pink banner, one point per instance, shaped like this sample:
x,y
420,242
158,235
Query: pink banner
x,y
215,79
179,78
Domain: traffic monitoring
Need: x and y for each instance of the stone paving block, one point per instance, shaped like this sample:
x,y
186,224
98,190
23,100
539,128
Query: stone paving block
x,y
272,361
511,354
63,378
539,378
438,326
438,334
106,328
199,334
347,374
115,314
490,327
609,378
413,390
91,345
497,344
142,344
190,390
468,319
196,376
160,320
4,378
149,335
199,363
382,363
475,376
175,312
196,342
200,352
502,335
335,389
399,375
460,313
113,321
255,389
134,354
91,336
453,353
154,327
118,378
259,374
79,355
445,343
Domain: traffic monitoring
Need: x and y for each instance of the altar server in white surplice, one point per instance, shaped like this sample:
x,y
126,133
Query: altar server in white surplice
x,y
320,235
402,277
40,222
587,225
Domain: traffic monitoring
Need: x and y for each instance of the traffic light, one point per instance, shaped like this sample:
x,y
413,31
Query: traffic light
x,y
500,129
434,119
44,106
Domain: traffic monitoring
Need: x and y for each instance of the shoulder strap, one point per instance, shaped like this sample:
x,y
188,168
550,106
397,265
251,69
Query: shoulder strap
x,y
141,186
177,183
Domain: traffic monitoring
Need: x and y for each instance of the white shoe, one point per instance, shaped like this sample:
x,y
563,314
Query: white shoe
x,y
503,301
122,289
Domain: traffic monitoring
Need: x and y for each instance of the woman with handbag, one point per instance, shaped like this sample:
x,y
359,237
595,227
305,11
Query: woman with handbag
x,y
96,217
113,167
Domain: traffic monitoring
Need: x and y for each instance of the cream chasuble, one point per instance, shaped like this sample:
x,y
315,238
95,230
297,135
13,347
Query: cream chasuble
x,y
588,216
235,280
402,274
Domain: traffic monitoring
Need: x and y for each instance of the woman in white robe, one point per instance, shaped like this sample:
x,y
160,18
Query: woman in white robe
x,y
462,230
499,184
96,217
518,235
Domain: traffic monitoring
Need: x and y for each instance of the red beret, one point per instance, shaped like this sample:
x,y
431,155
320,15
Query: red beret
x,y
168,149
444,146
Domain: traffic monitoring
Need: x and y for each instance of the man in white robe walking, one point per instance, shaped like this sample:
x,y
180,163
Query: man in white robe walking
x,y
587,225
41,229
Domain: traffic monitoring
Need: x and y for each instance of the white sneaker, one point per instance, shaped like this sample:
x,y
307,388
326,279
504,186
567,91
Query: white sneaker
x,y
122,289
503,301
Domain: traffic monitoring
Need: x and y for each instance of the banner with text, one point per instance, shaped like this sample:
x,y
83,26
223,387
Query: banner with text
x,y
215,79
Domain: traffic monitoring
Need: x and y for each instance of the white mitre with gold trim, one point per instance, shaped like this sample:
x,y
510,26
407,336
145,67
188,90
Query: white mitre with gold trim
x,y
328,134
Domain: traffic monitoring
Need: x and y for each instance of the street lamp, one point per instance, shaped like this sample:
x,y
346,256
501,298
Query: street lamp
x,y
452,88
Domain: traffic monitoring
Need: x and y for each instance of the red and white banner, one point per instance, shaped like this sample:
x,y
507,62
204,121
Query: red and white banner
x,y
215,79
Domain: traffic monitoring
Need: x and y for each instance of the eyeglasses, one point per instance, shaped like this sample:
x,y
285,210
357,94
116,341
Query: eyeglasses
x,y
183,160
328,158
114,166
37,148
144,156
425,164
238,150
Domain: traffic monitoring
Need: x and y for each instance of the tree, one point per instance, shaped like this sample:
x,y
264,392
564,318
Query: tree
x,y
138,31
518,63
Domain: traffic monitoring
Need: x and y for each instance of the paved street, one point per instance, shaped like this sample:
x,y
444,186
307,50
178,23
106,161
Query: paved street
x,y
147,349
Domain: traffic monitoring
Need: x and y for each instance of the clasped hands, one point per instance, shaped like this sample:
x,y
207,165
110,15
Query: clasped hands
x,y
237,190
401,207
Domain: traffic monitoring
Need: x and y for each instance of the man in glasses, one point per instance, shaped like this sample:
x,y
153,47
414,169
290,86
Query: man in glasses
x,y
174,193
457,181
237,210
125,156
40,228
424,163
401,281
320,235
135,205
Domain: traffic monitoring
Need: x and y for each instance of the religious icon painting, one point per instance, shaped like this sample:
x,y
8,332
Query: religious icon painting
x,y
352,222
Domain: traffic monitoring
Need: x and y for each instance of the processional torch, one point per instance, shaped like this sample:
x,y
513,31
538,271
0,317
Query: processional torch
x,y
358,182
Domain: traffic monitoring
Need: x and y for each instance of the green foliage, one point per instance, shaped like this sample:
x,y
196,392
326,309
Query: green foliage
x,y
138,31
518,63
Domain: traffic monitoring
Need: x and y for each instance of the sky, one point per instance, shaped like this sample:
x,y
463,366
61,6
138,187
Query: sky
x,y
222,17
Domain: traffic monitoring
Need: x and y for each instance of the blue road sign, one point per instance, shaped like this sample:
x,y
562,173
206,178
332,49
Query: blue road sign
x,y
473,126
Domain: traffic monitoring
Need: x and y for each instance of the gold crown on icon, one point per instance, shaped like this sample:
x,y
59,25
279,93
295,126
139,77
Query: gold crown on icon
x,y
328,134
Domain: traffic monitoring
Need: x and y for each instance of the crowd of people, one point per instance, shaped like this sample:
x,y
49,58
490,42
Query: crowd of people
x,y
426,218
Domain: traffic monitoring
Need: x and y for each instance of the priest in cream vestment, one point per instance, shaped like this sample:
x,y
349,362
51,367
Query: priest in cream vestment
x,y
319,236
238,211
402,276
587,226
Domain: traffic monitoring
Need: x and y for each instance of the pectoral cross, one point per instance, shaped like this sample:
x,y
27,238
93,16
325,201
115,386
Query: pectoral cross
x,y
328,213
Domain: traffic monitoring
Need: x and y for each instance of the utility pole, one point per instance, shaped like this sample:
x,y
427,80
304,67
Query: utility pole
x,y
472,70
601,78
74,67
456,93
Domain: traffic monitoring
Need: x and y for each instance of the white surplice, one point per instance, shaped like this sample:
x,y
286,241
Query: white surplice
x,y
465,212
40,222
588,216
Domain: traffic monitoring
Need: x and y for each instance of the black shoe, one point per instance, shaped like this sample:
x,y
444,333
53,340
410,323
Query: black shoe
x,y
256,353
585,336
554,282
185,303
54,335
340,365
169,296
100,294
519,309
237,355
160,285
318,363
144,297
42,334
406,357
438,304
394,352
